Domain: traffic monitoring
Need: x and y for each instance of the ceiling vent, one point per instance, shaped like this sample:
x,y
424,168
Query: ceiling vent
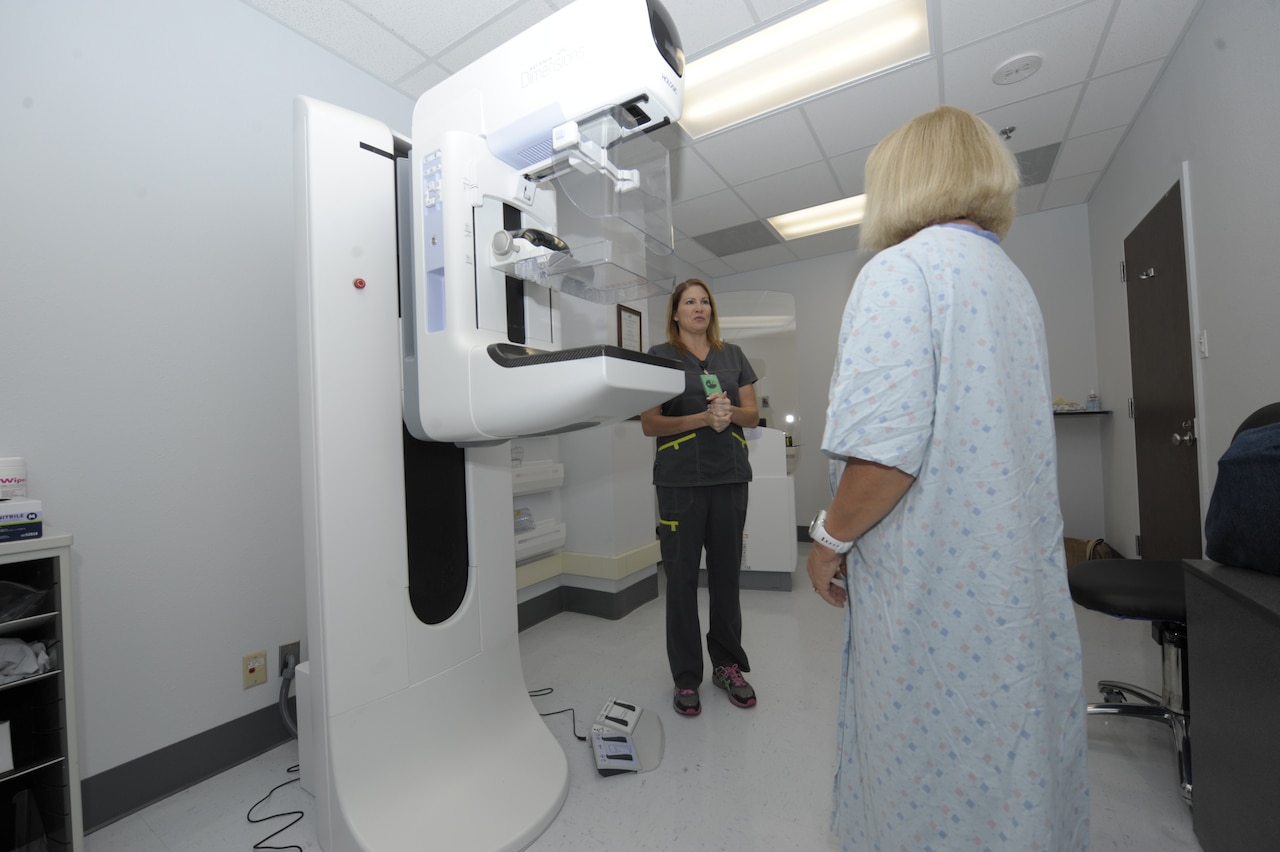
x,y
739,238
1036,164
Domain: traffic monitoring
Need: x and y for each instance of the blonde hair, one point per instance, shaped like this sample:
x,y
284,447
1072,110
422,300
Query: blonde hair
x,y
673,306
944,165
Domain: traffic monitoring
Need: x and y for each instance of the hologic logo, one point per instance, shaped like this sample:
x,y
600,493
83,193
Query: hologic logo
x,y
670,85
558,61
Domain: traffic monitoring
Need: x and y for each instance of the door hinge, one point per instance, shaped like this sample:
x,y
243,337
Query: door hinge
x,y
1137,546
1124,275
1130,408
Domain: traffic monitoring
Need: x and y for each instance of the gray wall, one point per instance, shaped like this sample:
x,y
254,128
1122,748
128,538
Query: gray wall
x,y
147,326
1217,110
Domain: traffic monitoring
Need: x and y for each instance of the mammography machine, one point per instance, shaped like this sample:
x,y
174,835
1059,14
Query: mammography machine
x,y
431,273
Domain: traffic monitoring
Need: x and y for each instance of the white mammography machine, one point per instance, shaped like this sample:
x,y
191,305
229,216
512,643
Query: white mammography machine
x,y
430,277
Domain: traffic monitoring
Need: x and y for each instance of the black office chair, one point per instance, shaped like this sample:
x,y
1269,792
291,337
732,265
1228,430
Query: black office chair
x,y
1151,590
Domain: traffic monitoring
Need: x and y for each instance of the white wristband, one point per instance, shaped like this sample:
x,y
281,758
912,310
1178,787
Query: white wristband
x,y
818,532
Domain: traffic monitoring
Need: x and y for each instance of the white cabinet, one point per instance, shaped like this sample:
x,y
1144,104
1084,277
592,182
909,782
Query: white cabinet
x,y
536,477
44,783
769,546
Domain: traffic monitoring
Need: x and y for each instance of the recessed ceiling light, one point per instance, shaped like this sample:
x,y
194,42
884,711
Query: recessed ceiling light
x,y
821,48
831,216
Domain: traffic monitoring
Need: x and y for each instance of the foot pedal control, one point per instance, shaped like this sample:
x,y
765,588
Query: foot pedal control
x,y
626,739
614,752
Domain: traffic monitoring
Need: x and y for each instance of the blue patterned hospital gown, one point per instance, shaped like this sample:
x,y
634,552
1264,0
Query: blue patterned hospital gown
x,y
962,708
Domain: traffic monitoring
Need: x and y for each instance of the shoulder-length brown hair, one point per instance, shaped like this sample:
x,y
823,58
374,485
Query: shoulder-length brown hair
x,y
944,165
673,305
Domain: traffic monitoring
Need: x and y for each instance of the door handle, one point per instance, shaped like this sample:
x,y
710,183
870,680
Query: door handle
x,y
1189,438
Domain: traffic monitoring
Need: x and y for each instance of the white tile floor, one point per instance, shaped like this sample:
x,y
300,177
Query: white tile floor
x,y
730,779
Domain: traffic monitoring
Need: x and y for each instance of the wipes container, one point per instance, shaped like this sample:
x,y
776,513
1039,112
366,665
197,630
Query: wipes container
x,y
13,477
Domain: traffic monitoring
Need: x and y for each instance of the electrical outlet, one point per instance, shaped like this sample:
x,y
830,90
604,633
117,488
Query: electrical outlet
x,y
255,668
294,648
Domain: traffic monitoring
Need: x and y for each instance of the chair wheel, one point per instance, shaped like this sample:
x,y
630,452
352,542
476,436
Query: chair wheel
x,y
1113,696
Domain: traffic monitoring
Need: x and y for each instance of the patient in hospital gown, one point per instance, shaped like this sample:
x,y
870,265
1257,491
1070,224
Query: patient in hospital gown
x,y
962,709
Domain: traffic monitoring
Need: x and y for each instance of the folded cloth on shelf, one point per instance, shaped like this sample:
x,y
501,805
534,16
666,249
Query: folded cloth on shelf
x,y
19,659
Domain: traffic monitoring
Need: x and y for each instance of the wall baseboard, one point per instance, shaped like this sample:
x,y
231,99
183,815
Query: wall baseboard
x,y
610,605
118,792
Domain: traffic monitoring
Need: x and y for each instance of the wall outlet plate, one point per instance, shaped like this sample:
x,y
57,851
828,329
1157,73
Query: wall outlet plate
x,y
255,668
294,648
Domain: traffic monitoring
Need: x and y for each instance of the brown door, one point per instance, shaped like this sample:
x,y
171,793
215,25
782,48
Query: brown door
x,y
1164,409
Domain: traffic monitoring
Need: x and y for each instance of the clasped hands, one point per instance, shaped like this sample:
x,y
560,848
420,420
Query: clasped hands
x,y
825,568
719,412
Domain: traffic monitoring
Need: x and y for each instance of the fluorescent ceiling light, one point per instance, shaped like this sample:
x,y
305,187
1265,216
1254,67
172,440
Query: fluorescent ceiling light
x,y
824,47
844,213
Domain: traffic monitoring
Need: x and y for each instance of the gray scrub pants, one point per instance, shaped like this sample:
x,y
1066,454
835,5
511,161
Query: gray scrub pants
x,y
689,519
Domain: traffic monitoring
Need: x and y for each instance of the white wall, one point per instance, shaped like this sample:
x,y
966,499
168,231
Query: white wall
x,y
1052,249
147,328
1216,109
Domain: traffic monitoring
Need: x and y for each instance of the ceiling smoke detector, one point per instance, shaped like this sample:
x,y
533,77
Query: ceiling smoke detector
x,y
1017,69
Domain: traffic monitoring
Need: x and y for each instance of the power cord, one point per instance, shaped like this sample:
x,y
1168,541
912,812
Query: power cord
x,y
297,815
547,690
286,678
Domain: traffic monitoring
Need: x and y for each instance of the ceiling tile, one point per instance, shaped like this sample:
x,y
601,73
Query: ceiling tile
x,y
350,34
691,177
829,242
1143,30
1038,121
850,171
792,190
967,22
1073,190
862,114
760,258
714,268
422,79
765,146
710,213
1085,154
1028,198
1112,100
501,29
692,251
1066,41
433,27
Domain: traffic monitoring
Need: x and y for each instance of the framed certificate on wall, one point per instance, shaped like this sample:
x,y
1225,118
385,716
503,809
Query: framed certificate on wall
x,y
629,328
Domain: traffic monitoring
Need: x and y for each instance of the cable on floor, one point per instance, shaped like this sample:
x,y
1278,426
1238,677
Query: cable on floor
x,y
297,815
547,690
